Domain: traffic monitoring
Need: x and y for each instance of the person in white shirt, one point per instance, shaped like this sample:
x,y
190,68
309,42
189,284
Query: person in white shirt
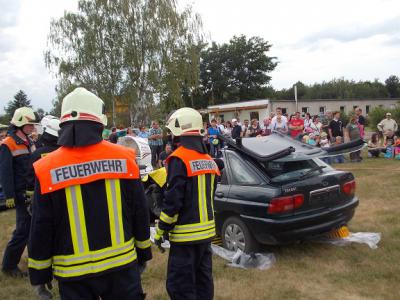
x,y
307,121
282,117
387,127
220,125
280,125
316,126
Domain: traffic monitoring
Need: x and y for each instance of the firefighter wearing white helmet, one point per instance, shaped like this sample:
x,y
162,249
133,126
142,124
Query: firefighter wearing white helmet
x,y
187,218
46,144
82,105
100,249
15,153
186,121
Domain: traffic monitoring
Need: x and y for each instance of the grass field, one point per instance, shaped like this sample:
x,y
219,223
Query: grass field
x,y
302,271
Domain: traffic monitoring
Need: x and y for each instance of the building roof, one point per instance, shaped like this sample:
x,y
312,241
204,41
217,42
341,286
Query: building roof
x,y
344,100
242,105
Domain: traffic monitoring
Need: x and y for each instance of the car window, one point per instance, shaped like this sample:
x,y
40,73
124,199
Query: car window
x,y
241,173
289,170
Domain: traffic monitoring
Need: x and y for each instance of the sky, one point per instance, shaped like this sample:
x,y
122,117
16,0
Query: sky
x,y
313,40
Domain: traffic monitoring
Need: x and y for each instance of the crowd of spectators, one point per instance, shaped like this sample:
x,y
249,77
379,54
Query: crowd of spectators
x,y
319,130
322,131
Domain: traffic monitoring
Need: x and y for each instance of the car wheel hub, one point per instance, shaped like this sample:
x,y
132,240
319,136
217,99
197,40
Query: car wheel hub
x,y
234,237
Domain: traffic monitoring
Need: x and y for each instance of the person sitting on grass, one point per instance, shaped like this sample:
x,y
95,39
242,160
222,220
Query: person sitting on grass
x,y
374,146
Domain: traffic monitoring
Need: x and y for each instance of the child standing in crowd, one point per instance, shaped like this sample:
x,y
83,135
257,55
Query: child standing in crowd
x,y
213,133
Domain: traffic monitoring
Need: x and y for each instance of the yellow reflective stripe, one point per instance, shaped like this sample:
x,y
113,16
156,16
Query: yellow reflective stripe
x,y
113,192
76,217
39,264
142,244
193,227
93,255
189,237
167,219
205,211
212,194
202,198
92,268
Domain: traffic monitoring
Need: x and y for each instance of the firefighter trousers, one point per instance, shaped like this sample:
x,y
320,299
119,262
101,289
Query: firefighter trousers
x,y
123,284
190,272
19,239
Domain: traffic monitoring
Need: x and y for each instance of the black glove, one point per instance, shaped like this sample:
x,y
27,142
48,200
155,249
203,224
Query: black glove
x,y
142,267
42,292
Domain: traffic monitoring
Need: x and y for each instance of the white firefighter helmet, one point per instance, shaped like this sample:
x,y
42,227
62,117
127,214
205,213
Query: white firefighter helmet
x,y
82,105
46,119
186,121
51,125
23,116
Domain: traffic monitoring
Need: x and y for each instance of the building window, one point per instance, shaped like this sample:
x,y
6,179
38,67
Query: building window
x,y
322,109
222,118
304,110
354,107
342,109
284,111
254,115
367,107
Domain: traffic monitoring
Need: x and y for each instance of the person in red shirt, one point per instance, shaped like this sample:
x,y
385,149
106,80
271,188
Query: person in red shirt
x,y
296,125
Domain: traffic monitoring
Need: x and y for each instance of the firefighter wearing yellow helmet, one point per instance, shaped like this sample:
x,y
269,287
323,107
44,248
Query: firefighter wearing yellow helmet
x,y
187,217
15,153
90,221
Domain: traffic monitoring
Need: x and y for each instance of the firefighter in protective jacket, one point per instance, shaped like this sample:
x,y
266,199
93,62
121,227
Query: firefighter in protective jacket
x,y
90,222
48,142
15,153
187,216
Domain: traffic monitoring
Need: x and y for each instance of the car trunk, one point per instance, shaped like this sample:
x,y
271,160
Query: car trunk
x,y
320,185
320,192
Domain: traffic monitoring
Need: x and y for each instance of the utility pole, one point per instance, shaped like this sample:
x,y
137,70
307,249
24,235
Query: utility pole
x,y
295,97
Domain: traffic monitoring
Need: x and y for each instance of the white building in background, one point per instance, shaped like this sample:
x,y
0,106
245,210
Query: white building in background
x,y
254,109
259,109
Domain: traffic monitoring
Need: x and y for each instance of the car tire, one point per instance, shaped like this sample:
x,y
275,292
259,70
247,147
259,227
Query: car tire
x,y
236,235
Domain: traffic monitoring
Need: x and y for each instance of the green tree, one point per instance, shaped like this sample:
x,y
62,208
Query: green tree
x,y
237,70
393,86
123,49
20,100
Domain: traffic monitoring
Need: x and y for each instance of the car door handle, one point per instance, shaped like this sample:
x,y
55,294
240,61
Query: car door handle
x,y
219,194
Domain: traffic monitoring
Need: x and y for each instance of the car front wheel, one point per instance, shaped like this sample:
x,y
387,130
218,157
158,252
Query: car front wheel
x,y
236,235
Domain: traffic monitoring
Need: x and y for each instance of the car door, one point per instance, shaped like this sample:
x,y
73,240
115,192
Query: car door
x,y
249,192
221,194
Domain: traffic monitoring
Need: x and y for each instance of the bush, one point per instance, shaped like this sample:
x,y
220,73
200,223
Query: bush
x,y
379,113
